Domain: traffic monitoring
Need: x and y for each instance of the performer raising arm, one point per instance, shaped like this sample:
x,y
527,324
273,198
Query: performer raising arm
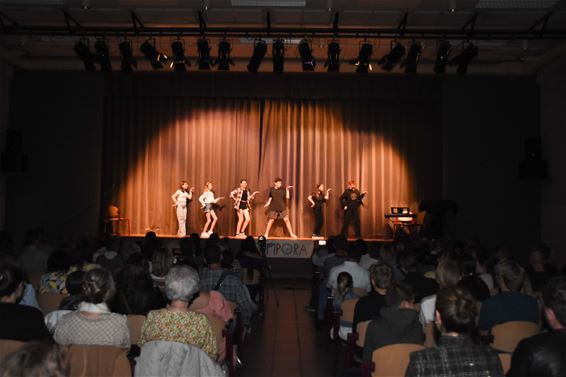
x,y
278,206
351,200
181,199
316,200
242,198
207,200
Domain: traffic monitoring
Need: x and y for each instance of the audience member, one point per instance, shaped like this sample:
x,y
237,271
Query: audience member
x,y
544,355
176,323
456,354
35,253
471,280
161,262
351,265
369,306
509,304
93,323
36,359
539,270
415,277
19,322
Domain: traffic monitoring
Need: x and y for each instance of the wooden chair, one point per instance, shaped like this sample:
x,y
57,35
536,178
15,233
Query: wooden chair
x,y
347,309
105,361
506,336
50,301
135,323
393,360
8,346
505,361
35,280
355,338
113,218
429,335
360,292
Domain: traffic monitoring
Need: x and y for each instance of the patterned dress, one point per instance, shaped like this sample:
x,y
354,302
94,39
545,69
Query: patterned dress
x,y
181,327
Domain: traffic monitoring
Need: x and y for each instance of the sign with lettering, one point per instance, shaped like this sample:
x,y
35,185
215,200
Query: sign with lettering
x,y
289,249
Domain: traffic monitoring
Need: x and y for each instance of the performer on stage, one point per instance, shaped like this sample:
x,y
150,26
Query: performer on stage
x,y
207,200
181,199
317,199
242,198
351,200
278,206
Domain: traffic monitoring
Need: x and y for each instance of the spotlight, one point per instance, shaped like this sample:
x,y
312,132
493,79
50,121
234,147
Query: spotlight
x,y
204,60
362,61
278,52
260,49
128,59
103,58
178,59
83,52
465,58
413,57
333,60
156,58
224,61
442,55
389,61
307,58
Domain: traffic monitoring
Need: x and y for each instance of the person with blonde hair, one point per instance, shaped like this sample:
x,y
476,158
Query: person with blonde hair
x,y
207,200
181,199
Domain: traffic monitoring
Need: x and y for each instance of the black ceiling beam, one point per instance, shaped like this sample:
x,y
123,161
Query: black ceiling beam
x,y
430,34
71,23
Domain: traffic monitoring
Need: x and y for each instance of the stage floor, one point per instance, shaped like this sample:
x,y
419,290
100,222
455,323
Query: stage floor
x,y
174,236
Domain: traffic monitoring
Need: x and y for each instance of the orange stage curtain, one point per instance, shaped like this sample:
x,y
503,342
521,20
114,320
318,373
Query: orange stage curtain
x,y
392,148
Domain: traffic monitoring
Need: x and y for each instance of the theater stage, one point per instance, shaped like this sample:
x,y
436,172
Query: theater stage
x,y
288,257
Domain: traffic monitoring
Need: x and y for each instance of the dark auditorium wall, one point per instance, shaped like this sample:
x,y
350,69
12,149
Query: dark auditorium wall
x,y
485,120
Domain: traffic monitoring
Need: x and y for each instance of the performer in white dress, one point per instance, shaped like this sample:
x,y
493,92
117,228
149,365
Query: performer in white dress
x,y
242,198
181,199
207,200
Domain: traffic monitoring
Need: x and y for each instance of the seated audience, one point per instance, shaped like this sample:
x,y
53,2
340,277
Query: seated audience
x,y
35,253
93,323
369,307
539,270
544,355
19,322
415,277
161,262
57,266
456,354
351,265
109,256
215,278
176,323
73,285
509,304
398,322
37,359
471,280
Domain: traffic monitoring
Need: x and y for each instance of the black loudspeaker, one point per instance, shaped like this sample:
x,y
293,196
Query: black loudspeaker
x,y
13,157
533,167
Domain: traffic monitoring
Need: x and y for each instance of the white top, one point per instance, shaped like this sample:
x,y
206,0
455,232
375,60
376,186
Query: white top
x,y
368,262
182,196
428,305
359,275
207,197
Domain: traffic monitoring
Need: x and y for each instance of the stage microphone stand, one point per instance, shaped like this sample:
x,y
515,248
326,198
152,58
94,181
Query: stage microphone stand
x,y
266,273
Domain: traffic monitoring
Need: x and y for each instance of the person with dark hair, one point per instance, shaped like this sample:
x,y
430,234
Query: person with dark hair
x,y
278,206
398,322
73,285
181,199
35,253
544,355
369,307
351,200
317,199
216,278
161,262
352,266
471,280
538,268
19,322
36,359
242,198
93,323
510,304
456,354
415,277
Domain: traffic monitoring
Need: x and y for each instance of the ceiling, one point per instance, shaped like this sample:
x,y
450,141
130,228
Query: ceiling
x,y
35,33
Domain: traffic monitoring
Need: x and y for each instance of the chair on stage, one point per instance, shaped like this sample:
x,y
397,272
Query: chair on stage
x,y
114,219
506,336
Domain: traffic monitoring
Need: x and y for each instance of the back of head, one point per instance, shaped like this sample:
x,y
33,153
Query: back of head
x,y
344,283
381,274
448,272
181,283
74,282
408,260
399,293
212,254
354,253
554,296
161,261
227,259
457,308
98,286
511,274
36,359
340,244
59,260
10,279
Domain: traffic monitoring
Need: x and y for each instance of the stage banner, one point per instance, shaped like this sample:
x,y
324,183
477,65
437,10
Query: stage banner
x,y
289,249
